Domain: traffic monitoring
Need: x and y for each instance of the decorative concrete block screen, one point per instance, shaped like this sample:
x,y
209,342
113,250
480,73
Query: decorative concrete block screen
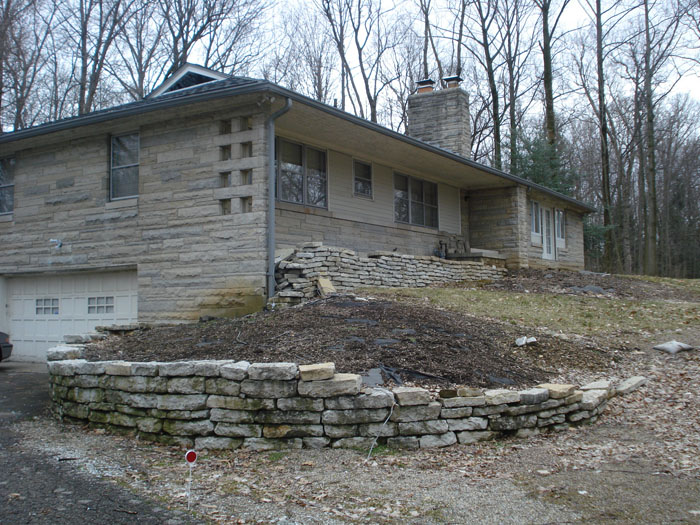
x,y
297,274
264,406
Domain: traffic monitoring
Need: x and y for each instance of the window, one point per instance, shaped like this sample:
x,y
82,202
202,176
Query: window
x,y
415,201
47,306
301,174
124,176
7,185
362,178
101,305
561,224
535,218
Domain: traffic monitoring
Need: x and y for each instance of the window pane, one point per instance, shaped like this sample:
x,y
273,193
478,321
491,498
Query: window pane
x,y
125,182
291,183
315,160
417,214
7,171
7,199
416,190
316,189
291,153
125,150
363,178
431,216
400,209
363,187
430,193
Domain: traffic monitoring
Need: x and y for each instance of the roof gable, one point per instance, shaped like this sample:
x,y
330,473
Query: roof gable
x,y
187,76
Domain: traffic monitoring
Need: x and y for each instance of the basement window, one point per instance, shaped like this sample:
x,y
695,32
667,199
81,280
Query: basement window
x,y
124,172
415,201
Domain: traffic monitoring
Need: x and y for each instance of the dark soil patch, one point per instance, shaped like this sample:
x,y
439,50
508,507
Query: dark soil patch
x,y
357,335
588,283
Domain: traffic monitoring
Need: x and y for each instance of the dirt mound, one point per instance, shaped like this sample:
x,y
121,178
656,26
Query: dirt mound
x,y
589,283
418,343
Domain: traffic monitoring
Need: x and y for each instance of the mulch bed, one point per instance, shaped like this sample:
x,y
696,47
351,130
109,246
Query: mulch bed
x,y
420,344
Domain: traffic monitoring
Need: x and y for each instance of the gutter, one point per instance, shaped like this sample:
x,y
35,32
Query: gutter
x,y
271,178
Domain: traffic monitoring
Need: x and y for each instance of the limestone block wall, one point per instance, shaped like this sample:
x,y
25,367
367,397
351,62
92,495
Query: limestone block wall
x,y
298,273
196,232
264,406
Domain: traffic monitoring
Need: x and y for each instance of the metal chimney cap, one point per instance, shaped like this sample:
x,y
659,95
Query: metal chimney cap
x,y
453,81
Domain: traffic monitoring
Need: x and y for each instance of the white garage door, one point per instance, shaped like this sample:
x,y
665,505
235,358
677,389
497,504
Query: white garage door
x,y
43,309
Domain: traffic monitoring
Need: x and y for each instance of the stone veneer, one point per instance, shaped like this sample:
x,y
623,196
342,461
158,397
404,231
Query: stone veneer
x,y
297,273
264,406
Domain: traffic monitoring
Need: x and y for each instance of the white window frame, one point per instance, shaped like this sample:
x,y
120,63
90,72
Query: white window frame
x,y
355,193
113,167
560,227
103,304
9,187
536,232
278,169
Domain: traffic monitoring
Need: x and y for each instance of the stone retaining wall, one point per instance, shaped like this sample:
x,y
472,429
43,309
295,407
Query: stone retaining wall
x,y
264,406
297,274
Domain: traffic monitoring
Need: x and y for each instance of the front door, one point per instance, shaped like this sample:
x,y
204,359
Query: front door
x,y
548,242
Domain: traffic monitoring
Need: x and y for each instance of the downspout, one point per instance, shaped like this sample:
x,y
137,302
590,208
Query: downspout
x,y
271,178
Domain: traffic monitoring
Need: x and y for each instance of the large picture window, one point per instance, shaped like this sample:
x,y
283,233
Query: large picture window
x,y
124,172
7,185
415,201
301,174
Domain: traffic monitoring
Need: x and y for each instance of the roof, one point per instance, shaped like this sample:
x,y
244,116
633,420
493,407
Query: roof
x,y
208,89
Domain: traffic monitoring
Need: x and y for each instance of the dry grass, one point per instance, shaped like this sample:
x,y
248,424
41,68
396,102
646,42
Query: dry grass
x,y
582,315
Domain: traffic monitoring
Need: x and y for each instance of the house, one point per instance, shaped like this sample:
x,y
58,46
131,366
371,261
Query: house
x,y
161,210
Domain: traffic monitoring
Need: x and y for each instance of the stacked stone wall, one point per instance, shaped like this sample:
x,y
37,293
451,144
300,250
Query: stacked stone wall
x,y
265,406
298,273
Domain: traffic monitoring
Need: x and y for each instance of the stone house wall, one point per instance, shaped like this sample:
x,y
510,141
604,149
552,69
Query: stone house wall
x,y
264,406
195,234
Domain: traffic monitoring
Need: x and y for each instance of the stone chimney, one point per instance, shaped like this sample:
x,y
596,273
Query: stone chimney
x,y
441,117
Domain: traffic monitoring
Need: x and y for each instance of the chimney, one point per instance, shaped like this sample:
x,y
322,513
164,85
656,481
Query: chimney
x,y
441,117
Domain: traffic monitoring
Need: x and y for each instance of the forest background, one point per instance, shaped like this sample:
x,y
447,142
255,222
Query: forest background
x,y
593,98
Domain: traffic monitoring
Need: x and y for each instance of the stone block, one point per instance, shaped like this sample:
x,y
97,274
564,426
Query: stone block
x,y
233,430
297,417
602,384
591,399
292,431
576,397
500,396
149,424
534,396
144,369
186,414
235,371
457,402
340,385
239,403
557,391
466,391
631,384
122,420
340,431
416,413
263,444
368,398
362,443
579,415
140,384
470,423
272,371
76,410
315,442
186,385
141,400
300,403
408,442
232,416
415,428
379,430
439,440
91,368
210,368
184,368
65,368
62,353
408,396
452,413
552,420
468,437
513,422
269,388
221,386
117,368
317,372
217,443
352,417
182,402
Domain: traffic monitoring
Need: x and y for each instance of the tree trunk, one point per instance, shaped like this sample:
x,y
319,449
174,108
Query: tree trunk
x,y
650,257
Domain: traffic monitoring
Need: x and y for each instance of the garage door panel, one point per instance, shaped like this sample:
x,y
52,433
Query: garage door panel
x,y
83,302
